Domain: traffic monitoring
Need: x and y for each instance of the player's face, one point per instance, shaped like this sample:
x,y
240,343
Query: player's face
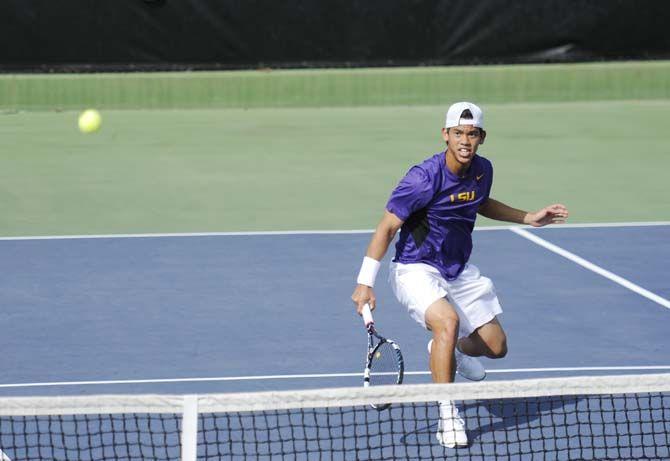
x,y
463,141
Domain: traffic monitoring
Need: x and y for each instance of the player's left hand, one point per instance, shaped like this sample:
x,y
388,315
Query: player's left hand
x,y
552,214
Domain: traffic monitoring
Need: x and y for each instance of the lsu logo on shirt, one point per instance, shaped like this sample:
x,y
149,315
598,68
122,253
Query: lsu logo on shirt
x,y
462,197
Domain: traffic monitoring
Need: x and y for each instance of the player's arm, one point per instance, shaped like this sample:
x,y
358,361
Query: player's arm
x,y
552,214
384,233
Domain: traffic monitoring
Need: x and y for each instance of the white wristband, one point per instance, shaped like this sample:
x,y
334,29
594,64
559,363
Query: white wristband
x,y
368,272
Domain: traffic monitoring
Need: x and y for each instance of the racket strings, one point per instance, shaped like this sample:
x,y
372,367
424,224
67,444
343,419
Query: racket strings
x,y
384,367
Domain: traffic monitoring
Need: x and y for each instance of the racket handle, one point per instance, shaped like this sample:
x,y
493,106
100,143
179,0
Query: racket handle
x,y
367,315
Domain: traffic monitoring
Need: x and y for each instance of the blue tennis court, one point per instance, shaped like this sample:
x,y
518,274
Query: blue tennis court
x,y
246,312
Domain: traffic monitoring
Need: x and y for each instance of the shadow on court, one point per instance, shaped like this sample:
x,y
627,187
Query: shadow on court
x,y
487,418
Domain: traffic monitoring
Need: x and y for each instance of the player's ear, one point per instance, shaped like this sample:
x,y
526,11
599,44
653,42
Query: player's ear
x,y
445,134
483,136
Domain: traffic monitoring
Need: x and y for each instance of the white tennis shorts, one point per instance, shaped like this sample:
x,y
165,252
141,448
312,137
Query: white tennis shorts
x,y
419,285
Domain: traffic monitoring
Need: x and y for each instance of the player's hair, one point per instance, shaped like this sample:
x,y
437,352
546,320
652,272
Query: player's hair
x,y
466,114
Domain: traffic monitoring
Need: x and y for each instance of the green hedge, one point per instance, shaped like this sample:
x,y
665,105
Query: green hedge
x,y
338,87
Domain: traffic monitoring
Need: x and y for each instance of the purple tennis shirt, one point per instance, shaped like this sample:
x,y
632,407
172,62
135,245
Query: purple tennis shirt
x,y
439,209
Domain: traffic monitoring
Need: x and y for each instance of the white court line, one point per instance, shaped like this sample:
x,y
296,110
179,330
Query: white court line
x,y
187,234
592,267
322,375
311,232
602,224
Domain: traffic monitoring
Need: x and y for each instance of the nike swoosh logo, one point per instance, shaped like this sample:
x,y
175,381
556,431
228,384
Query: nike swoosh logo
x,y
480,176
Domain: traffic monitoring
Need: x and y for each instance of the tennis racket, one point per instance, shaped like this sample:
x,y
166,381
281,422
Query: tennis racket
x,y
384,363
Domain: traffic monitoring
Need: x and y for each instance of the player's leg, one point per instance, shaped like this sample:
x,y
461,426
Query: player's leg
x,y
422,290
442,321
475,300
488,340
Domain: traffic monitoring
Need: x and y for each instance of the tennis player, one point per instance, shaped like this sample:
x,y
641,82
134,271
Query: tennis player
x,y
435,206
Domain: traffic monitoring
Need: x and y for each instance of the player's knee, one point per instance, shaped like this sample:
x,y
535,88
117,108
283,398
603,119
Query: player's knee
x,y
498,349
445,327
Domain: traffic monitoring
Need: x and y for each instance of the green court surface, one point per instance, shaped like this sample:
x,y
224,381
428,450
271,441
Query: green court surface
x,y
198,170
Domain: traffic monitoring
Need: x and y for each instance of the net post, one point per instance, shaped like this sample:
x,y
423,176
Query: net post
x,y
189,428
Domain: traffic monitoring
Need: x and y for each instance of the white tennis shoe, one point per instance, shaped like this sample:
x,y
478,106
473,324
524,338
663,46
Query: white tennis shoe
x,y
451,427
466,366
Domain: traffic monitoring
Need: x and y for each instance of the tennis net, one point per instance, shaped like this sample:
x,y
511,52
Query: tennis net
x,y
616,417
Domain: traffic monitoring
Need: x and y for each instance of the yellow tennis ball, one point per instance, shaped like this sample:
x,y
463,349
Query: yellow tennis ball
x,y
89,121
378,354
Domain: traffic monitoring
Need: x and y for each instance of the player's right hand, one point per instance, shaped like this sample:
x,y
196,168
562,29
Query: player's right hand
x,y
363,294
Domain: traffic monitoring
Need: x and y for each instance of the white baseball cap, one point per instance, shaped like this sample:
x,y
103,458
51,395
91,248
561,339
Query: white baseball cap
x,y
455,111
